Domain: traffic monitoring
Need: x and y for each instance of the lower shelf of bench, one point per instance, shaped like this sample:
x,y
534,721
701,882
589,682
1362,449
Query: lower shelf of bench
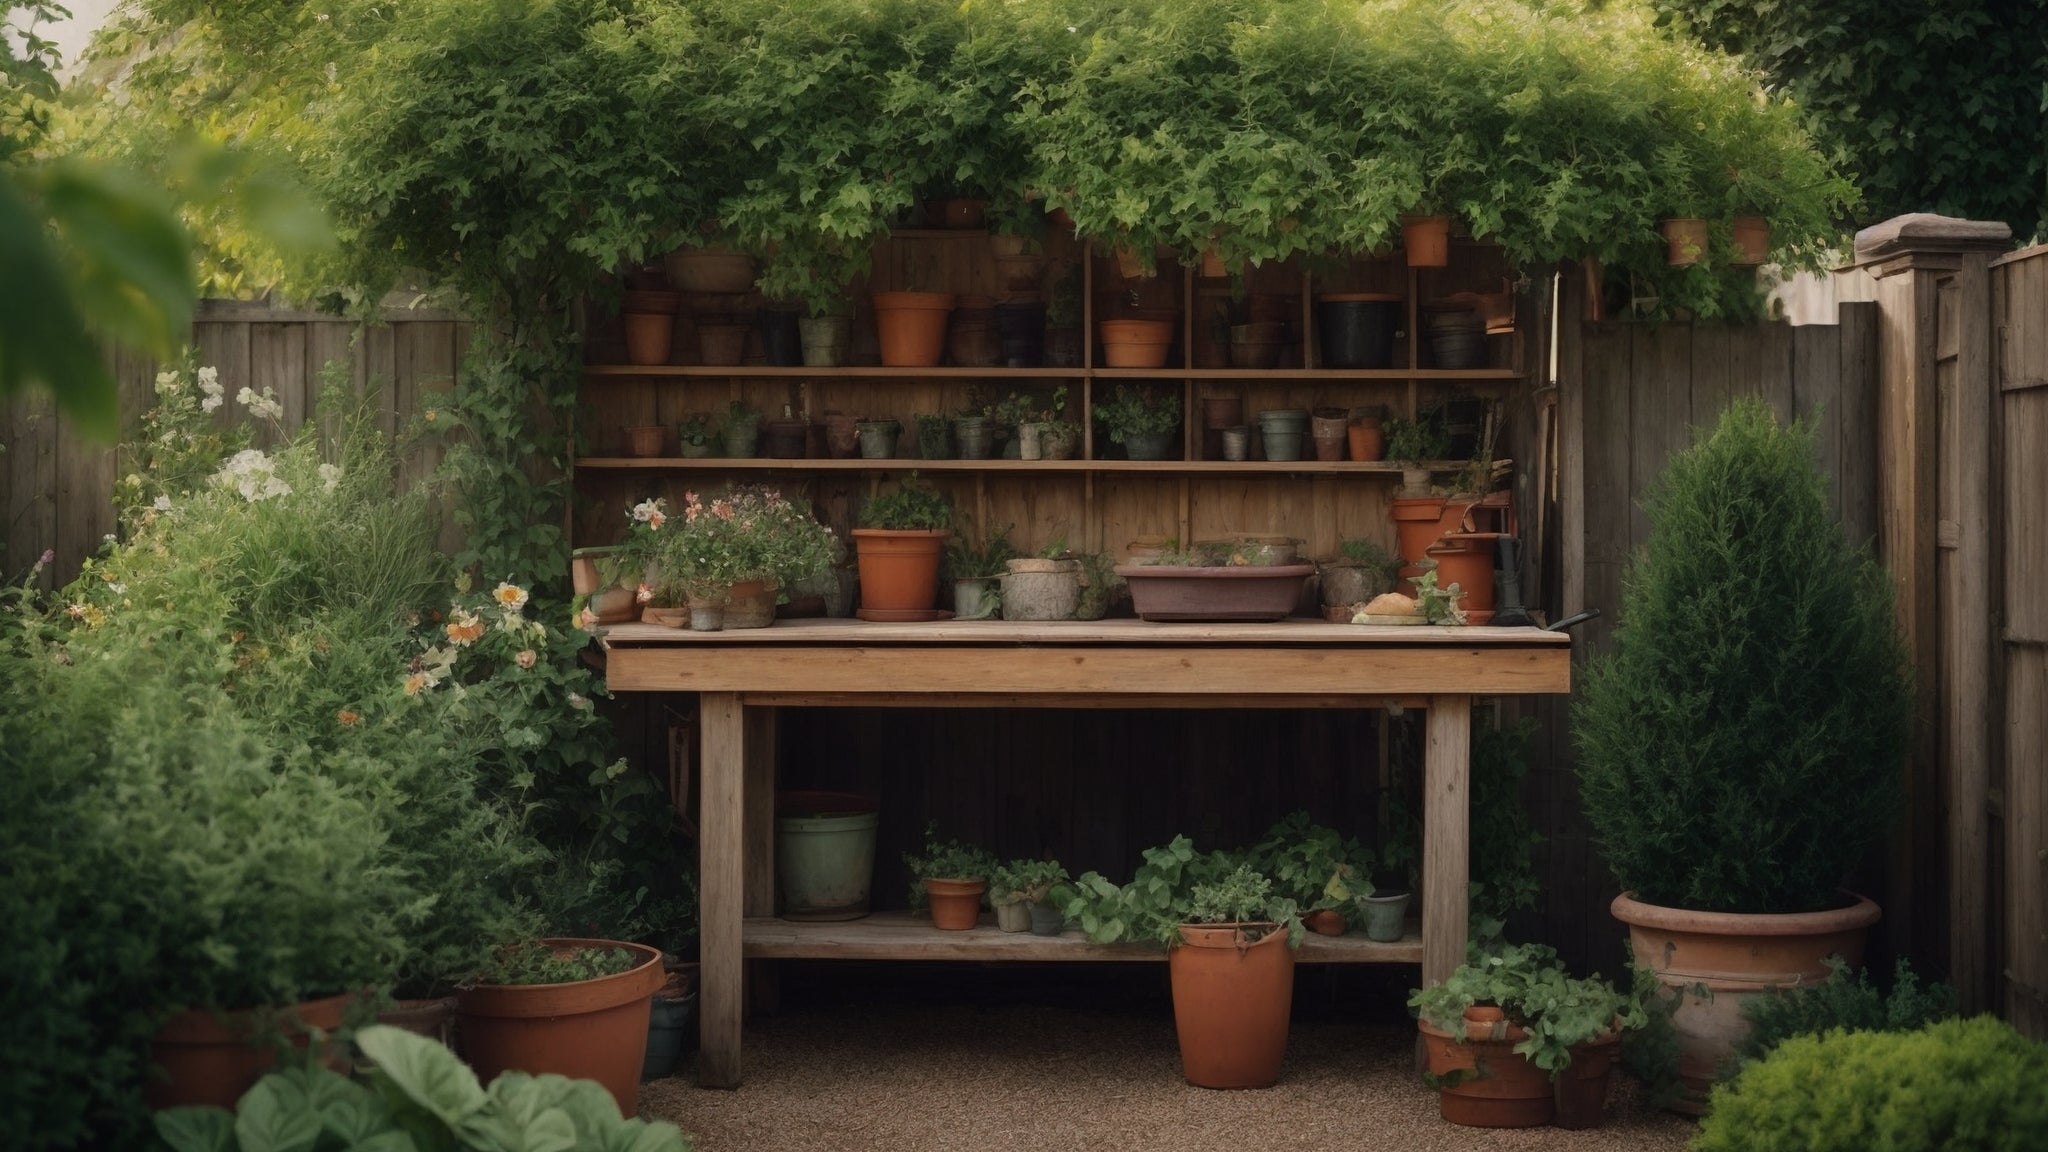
x,y
899,936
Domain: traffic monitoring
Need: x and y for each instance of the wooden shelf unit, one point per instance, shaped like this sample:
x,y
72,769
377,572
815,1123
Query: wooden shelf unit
x,y
914,464
901,936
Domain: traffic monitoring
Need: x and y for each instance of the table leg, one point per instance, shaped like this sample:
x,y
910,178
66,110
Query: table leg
x,y
721,887
763,989
1446,816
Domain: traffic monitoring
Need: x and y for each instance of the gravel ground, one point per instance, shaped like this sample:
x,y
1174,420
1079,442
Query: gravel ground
x,y
1066,1062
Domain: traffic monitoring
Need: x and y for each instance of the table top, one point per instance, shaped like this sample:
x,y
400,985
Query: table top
x,y
1284,633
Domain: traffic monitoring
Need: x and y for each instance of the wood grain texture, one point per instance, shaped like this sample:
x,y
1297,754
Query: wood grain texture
x,y
826,630
1446,814
901,936
722,873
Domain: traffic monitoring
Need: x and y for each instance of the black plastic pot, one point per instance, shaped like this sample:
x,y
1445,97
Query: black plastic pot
x,y
1457,339
782,342
1022,329
1358,329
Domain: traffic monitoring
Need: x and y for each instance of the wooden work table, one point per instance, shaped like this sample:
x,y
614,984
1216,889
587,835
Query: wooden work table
x,y
742,676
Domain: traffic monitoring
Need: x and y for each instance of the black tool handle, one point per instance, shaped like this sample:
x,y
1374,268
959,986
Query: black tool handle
x,y
1569,621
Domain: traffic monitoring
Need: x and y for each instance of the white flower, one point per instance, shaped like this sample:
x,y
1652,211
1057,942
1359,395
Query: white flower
x,y
510,596
167,382
649,512
267,405
579,701
252,474
117,588
330,475
209,404
209,381
162,504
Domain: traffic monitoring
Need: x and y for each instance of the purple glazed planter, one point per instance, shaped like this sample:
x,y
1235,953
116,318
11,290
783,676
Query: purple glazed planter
x,y
1238,593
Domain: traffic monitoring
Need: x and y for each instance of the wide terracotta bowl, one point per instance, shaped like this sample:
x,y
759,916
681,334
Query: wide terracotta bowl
x,y
1243,594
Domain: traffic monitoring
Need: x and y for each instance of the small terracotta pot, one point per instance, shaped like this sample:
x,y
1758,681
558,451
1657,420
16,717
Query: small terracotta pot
x,y
1466,559
1230,1005
1325,921
1367,440
842,435
211,1058
1212,265
1497,1087
911,327
642,439
1752,236
1332,431
666,617
648,336
1135,343
1427,240
750,604
956,904
1685,240
1420,521
587,1030
899,571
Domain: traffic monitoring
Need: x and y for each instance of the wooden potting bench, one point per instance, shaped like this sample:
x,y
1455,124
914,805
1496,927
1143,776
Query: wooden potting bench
x,y
743,676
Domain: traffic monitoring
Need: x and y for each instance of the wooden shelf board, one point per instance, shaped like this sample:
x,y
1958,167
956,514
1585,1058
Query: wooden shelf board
x,y
898,936
1312,375
905,464
1120,631
620,372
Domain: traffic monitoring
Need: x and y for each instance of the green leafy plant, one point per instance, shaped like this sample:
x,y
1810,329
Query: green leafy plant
x,y
1844,1000
1314,866
913,506
1024,881
1532,988
532,962
1503,868
1131,411
944,860
1100,585
697,428
1438,605
747,532
1740,745
1957,1084
1418,440
420,1096
965,560
1160,897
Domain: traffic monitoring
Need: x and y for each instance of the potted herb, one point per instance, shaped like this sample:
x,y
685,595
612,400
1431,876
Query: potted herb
x,y
1231,944
1100,585
1018,891
694,436
1317,868
574,1007
742,430
934,436
898,545
950,878
1411,443
1735,762
1510,1027
975,571
1143,420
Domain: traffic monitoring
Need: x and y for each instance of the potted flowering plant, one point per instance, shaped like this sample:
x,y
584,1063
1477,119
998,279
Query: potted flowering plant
x,y
732,553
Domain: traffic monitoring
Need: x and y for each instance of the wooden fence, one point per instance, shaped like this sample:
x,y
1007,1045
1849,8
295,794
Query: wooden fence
x,y
56,492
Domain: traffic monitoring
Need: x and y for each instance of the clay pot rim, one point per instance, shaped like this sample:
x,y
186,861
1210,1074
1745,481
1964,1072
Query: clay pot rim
x,y
919,533
233,1025
1860,914
913,301
1135,331
1225,935
937,886
1477,1033
1236,572
652,954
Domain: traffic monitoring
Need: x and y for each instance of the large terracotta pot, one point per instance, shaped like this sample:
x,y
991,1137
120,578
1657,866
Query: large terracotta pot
x,y
1581,1087
1420,521
1466,559
1719,961
588,1030
899,571
955,904
211,1058
1487,1083
1752,237
1230,1004
911,327
1135,343
648,335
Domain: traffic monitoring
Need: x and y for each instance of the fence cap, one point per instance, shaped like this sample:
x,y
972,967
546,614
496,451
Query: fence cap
x,y
1926,234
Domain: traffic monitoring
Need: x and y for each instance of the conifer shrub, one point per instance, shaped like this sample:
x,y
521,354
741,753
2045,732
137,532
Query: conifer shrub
x,y
1959,1084
1744,739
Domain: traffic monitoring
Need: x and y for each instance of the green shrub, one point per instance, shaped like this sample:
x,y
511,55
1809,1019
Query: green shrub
x,y
1960,1084
1843,1001
420,1096
913,506
1743,742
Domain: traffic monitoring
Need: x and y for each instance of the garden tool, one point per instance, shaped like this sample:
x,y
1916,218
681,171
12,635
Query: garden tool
x,y
1508,612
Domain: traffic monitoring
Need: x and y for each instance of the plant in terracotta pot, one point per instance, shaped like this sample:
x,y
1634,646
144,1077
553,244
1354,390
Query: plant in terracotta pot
x,y
976,570
1411,444
733,552
696,436
898,544
1736,762
1018,892
950,878
1231,944
574,1007
1316,867
1141,419
1513,1040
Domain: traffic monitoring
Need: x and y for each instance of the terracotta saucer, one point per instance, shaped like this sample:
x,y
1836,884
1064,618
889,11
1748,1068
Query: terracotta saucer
x,y
903,615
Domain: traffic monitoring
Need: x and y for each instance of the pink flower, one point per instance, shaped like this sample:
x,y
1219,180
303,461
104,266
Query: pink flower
x,y
722,509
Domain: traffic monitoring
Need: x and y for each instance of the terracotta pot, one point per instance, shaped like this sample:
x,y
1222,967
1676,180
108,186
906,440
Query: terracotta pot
x,y
956,212
1230,1005
587,1030
1427,240
1420,521
434,1019
1212,265
1159,592
1685,240
211,1058
1580,1088
648,336
1325,922
1332,431
971,337
710,270
642,439
842,435
750,604
956,904
899,571
1752,236
1466,559
1135,343
1719,961
911,327
666,617
1366,439
649,300
1495,1087
722,345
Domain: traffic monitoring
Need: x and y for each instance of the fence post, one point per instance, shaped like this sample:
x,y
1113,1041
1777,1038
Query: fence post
x,y
1935,445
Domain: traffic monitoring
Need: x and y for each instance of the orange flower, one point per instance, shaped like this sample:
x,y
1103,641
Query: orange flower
x,y
465,628
417,683
347,718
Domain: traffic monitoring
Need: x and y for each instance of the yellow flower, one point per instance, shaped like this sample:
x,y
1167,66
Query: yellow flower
x,y
418,682
510,595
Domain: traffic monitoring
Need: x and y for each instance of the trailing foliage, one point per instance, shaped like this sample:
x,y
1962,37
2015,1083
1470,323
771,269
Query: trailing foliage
x,y
1314,866
1932,107
1843,1000
1024,881
1530,985
420,1097
1161,896
1972,1084
1742,744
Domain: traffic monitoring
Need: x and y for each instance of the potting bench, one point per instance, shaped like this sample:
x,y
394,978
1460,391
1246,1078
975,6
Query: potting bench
x,y
743,676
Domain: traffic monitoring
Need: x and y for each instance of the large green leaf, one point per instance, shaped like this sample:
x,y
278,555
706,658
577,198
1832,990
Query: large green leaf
x,y
425,1072
276,1116
43,339
197,1129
